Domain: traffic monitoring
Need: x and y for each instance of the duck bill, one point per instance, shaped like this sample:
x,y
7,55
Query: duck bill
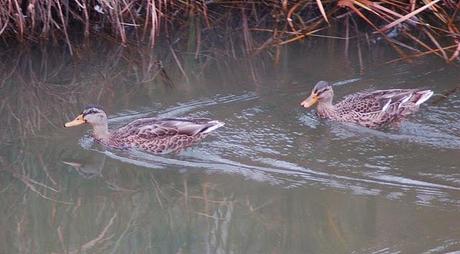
x,y
77,121
310,101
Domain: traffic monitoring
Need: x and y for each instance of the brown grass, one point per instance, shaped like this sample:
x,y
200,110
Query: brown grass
x,y
431,26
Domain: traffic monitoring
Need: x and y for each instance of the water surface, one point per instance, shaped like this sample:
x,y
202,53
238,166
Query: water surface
x,y
274,179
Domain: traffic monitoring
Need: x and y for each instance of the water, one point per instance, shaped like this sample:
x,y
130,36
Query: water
x,y
274,179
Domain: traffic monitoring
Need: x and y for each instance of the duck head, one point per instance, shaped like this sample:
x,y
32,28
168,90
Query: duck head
x,y
321,93
94,116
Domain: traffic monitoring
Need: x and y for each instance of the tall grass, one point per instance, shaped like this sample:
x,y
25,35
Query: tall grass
x,y
412,28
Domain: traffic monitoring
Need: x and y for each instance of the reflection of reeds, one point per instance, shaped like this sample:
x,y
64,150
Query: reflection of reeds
x,y
165,211
40,86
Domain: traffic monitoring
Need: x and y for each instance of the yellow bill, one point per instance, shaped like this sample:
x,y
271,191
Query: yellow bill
x,y
310,101
77,121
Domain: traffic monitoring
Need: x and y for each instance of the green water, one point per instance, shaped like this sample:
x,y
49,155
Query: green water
x,y
274,179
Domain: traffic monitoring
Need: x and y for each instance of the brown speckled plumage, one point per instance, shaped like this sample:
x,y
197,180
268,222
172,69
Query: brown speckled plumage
x,y
148,134
370,108
160,135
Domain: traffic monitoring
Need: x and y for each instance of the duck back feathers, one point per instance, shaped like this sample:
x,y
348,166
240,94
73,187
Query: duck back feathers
x,y
379,107
159,135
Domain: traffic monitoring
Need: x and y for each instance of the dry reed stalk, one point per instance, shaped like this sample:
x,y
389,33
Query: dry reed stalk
x,y
154,23
64,26
408,16
433,51
321,9
421,43
19,19
56,19
456,52
437,44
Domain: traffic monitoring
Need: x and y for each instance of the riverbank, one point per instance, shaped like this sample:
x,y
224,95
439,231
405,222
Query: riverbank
x,y
412,28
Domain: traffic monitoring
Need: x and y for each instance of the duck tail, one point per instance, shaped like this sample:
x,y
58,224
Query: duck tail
x,y
422,96
211,126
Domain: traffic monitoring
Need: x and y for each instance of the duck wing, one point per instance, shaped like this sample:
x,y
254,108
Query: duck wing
x,y
151,128
390,101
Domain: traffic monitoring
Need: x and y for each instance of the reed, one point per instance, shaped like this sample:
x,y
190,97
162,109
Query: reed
x,y
412,28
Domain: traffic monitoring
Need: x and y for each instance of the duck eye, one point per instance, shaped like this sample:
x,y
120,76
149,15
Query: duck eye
x,y
91,111
324,90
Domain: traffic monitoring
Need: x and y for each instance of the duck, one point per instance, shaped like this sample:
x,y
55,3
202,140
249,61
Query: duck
x,y
371,109
153,135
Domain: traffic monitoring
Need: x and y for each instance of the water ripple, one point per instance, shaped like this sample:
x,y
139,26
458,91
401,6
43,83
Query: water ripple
x,y
260,146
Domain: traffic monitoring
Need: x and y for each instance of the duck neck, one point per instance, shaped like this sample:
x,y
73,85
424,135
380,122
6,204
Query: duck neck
x,y
325,108
101,132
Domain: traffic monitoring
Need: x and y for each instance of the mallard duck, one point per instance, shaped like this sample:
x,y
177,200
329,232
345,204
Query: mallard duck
x,y
155,135
370,109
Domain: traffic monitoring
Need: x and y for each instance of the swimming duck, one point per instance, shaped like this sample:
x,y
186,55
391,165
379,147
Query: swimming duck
x,y
370,109
155,135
